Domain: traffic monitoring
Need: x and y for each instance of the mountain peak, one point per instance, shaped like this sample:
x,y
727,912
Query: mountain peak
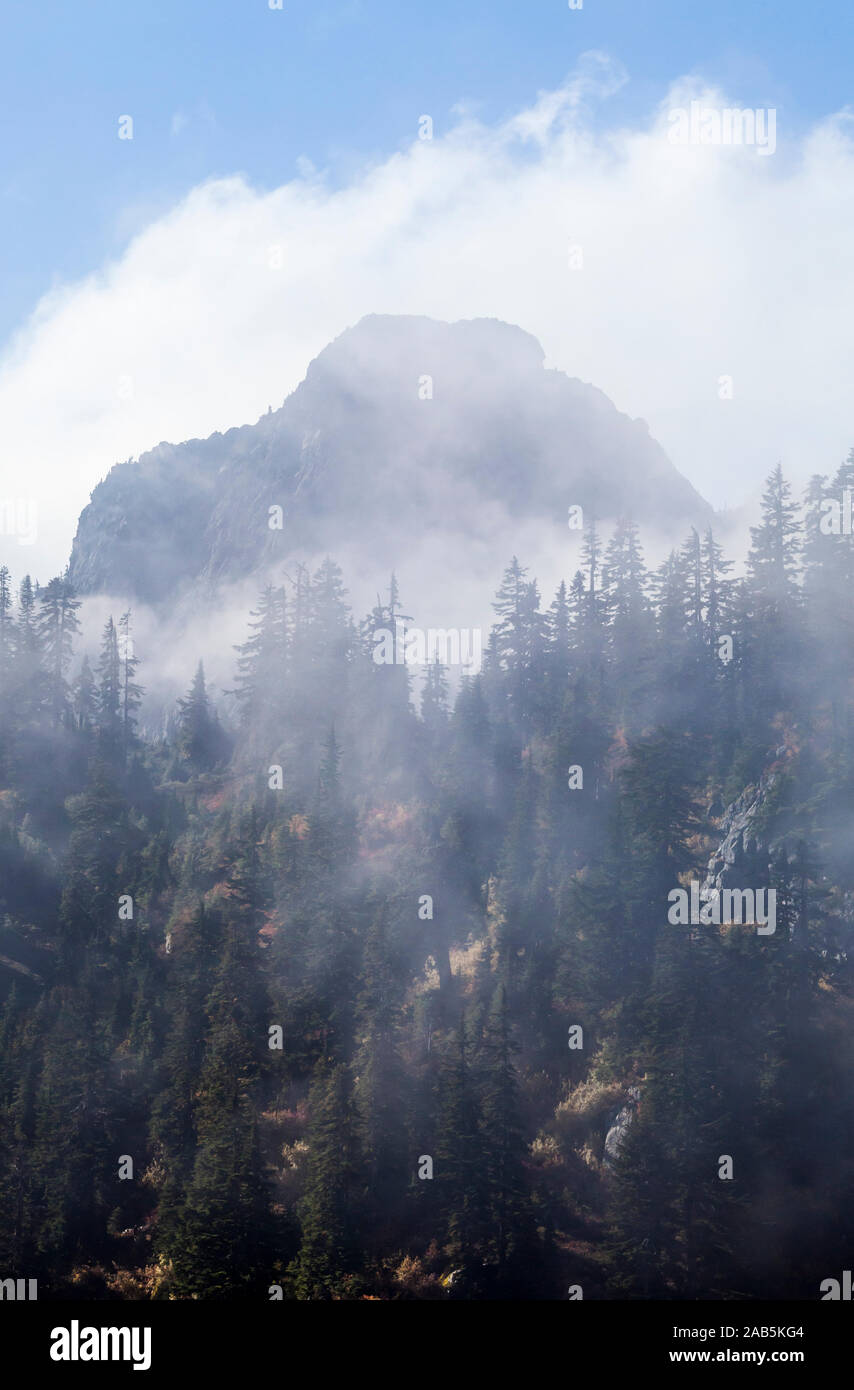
x,y
405,427
385,338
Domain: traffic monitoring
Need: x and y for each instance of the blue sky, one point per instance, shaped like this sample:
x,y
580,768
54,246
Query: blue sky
x,y
223,86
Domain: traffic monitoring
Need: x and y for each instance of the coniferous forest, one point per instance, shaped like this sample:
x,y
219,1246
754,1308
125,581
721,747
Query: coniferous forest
x,y
356,985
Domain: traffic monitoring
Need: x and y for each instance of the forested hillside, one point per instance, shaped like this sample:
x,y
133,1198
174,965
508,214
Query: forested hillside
x,y
362,986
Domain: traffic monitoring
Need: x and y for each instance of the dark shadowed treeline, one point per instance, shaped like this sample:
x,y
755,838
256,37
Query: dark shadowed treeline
x,y
377,1003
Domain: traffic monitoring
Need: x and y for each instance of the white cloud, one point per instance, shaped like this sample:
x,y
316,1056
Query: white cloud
x,y
698,262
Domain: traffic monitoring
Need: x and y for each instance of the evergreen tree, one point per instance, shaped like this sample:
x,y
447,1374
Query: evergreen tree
x,y
7,628
773,559
379,1090
434,700
57,624
262,661
462,1165
328,1251
512,1234
131,693
200,740
109,690
85,697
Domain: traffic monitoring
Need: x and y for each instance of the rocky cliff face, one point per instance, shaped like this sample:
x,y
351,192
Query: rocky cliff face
x,y
742,831
618,1127
403,429
737,824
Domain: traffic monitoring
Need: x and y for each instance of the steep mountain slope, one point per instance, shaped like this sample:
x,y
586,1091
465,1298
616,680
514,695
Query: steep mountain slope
x,y
404,430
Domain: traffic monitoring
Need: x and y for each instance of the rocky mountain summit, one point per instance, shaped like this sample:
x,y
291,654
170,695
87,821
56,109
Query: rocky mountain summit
x,y
404,430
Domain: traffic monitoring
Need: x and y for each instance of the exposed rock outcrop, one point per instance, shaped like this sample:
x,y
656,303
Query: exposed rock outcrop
x,y
619,1126
737,824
